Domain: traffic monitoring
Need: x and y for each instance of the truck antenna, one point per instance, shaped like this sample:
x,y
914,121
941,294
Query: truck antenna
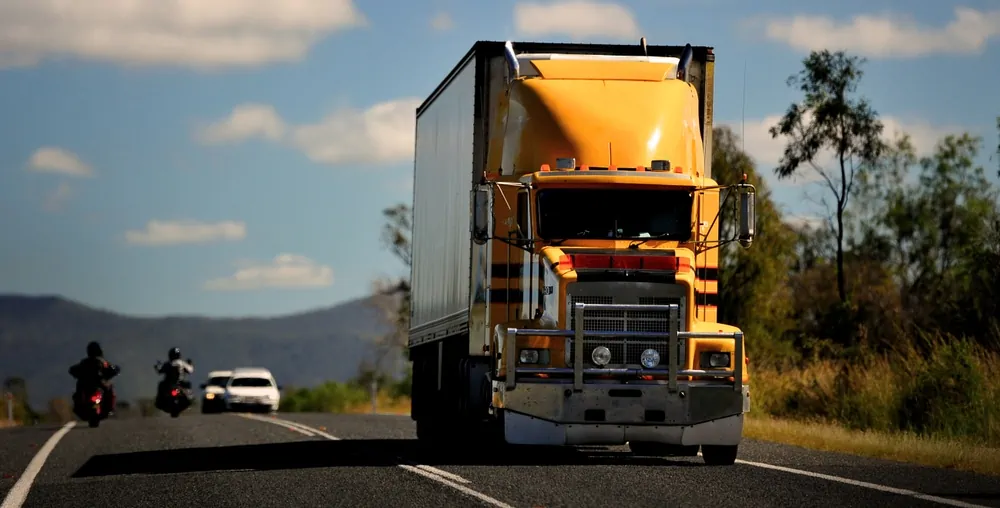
x,y
642,42
743,112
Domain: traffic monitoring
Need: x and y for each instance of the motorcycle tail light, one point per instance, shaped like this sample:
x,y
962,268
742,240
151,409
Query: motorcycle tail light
x,y
174,392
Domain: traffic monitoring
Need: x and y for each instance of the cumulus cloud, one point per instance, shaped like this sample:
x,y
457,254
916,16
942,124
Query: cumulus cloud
x,y
192,33
886,35
767,152
442,22
50,159
576,19
176,232
383,133
285,271
245,122
805,222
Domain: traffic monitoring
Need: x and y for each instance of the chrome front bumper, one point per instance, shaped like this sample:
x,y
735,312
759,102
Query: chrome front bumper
x,y
598,411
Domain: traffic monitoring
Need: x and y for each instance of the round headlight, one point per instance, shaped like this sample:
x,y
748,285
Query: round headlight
x,y
601,356
529,356
719,360
650,358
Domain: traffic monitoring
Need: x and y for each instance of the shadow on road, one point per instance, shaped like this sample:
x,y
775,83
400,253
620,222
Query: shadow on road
x,y
353,453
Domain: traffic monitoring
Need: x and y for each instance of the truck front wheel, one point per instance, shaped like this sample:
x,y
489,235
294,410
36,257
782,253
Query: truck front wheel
x,y
716,455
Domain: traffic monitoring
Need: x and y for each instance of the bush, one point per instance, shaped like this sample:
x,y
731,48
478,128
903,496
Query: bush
x,y
946,389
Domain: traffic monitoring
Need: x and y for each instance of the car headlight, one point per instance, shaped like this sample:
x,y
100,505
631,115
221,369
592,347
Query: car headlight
x,y
650,358
534,356
209,396
714,359
601,356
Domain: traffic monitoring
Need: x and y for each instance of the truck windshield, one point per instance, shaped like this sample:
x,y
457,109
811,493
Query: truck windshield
x,y
614,213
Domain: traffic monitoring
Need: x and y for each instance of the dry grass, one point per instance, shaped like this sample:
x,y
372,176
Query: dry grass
x,y
938,408
385,405
951,392
903,447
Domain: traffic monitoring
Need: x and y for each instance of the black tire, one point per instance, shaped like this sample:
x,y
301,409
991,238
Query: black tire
x,y
716,455
94,422
175,414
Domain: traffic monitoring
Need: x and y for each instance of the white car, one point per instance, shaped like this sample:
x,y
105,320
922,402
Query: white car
x,y
252,389
213,390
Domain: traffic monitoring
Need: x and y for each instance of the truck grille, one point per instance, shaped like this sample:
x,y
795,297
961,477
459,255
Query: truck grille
x,y
624,352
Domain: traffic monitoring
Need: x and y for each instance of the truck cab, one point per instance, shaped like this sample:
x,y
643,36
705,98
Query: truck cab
x,y
595,218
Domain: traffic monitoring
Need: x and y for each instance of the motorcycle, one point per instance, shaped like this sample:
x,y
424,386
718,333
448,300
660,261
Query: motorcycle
x,y
179,397
93,411
95,407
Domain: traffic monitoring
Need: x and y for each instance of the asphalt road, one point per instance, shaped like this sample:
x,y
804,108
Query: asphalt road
x,y
354,461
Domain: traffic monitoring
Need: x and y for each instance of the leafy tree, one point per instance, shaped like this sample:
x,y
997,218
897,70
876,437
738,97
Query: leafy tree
x,y
828,118
753,282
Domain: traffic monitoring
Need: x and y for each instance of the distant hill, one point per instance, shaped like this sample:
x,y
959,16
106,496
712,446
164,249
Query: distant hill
x,y
41,336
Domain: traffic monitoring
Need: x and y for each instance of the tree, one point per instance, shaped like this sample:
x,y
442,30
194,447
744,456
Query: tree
x,y
391,299
753,289
828,118
397,230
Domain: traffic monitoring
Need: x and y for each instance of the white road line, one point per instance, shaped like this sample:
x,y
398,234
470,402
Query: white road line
x,y
19,492
866,485
444,477
441,472
461,488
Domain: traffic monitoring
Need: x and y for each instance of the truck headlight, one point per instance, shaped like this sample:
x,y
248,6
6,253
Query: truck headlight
x,y
601,356
534,356
714,360
650,358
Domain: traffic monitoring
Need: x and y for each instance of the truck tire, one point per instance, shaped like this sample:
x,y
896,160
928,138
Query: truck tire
x,y
662,449
716,455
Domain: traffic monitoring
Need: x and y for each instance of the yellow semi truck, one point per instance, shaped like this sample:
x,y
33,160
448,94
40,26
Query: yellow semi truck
x,y
565,239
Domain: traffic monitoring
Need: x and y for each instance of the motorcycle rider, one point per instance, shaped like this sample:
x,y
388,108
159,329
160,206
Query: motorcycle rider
x,y
174,373
94,372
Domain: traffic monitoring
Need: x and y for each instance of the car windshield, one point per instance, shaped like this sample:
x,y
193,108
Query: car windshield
x,y
218,381
257,382
614,213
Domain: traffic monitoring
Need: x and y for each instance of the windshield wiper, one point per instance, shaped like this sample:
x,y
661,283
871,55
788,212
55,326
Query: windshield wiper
x,y
579,234
636,243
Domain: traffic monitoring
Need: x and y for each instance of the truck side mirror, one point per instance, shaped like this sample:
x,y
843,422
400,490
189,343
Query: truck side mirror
x,y
748,216
482,213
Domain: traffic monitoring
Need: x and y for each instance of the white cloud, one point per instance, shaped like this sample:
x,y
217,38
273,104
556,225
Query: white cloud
x,y
577,19
193,33
285,271
245,122
887,35
805,222
383,133
58,197
50,159
767,152
442,22
158,232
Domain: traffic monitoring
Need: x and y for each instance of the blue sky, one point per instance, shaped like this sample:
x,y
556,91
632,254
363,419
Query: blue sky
x,y
232,157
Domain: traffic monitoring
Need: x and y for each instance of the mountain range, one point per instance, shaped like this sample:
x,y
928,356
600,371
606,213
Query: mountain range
x,y
41,336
